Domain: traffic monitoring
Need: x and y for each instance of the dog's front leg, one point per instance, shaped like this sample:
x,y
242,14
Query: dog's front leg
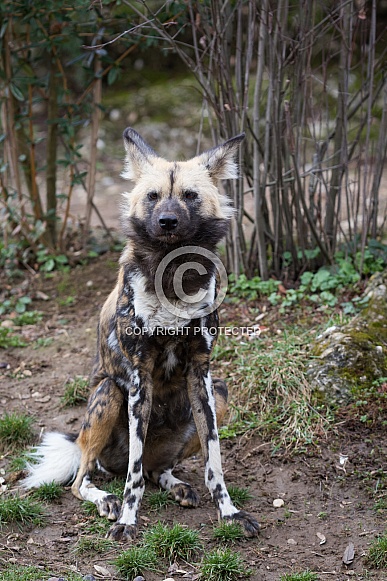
x,y
202,400
139,408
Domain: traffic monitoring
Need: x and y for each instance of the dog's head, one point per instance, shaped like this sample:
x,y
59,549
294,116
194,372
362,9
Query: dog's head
x,y
177,202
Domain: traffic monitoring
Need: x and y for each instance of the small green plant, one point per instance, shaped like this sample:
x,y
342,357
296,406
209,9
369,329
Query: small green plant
x,y
8,340
136,560
22,511
66,302
158,500
15,431
93,545
175,542
76,392
43,342
377,553
48,492
49,262
28,318
18,304
239,496
251,288
323,515
223,565
228,532
304,576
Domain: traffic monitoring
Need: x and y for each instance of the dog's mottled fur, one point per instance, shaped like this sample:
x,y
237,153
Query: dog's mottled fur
x,y
158,384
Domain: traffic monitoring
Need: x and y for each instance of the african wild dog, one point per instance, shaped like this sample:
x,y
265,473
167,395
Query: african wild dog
x,y
159,382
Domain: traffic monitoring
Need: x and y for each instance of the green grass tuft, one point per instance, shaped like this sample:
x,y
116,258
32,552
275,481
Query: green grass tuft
x,y
48,492
93,545
135,561
15,432
239,496
95,525
76,392
228,532
273,393
31,573
223,565
89,508
158,500
23,511
21,573
380,505
175,542
304,576
20,462
377,553
115,486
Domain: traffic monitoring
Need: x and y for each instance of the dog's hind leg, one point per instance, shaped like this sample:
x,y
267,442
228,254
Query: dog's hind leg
x,y
103,411
182,491
201,393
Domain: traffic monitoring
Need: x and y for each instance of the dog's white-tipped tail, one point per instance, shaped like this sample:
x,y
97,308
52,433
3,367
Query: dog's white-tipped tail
x,y
57,460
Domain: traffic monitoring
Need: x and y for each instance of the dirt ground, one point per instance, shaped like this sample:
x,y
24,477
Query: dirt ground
x,y
320,498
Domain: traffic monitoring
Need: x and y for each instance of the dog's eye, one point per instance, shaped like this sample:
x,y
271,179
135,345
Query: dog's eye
x,y
153,196
190,195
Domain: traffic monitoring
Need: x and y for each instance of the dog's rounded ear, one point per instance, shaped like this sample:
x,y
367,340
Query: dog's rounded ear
x,y
139,155
220,161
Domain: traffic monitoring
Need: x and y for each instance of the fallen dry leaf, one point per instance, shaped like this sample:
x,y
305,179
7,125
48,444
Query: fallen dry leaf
x,y
43,399
322,538
349,554
42,296
102,571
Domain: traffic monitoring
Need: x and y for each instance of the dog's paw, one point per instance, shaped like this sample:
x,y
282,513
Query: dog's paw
x,y
109,506
248,523
122,532
185,495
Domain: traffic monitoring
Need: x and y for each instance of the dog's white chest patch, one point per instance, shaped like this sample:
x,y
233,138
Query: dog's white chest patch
x,y
162,313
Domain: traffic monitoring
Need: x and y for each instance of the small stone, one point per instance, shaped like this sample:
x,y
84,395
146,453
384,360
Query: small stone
x,y
139,578
89,283
89,578
278,502
291,542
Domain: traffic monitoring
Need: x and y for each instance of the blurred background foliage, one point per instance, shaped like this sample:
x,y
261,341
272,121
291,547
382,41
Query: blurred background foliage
x,y
305,79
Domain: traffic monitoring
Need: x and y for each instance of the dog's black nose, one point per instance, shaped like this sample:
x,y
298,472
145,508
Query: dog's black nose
x,y
168,221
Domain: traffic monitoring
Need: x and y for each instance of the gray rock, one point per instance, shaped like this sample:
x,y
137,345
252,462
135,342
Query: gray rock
x,y
354,355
